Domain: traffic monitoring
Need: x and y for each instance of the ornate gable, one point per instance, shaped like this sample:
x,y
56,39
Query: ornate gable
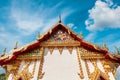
x,y
36,60
59,35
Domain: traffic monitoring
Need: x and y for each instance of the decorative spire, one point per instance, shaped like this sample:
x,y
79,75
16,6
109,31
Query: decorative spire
x,y
38,37
60,18
3,53
16,45
81,36
105,46
117,51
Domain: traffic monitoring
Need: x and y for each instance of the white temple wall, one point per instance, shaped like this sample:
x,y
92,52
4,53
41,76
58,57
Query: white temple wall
x,y
22,64
10,77
59,66
90,66
31,66
100,66
111,77
35,77
84,70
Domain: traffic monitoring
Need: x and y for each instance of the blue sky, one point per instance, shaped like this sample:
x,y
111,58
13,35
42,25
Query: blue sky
x,y
21,20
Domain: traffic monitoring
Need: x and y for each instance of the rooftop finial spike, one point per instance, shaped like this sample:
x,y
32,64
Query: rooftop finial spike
x,y
16,45
81,35
105,46
60,18
3,53
117,51
38,37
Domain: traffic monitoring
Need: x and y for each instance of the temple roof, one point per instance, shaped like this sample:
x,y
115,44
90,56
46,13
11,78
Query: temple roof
x,y
7,58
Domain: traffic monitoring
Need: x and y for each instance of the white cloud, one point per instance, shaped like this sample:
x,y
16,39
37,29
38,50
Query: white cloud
x,y
91,37
109,2
8,41
102,16
43,18
70,25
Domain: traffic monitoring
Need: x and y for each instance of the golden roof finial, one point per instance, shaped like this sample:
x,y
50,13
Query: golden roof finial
x,y
60,18
16,45
81,35
105,46
117,51
38,37
3,53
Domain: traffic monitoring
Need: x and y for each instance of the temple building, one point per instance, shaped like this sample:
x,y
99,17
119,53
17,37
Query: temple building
x,y
60,54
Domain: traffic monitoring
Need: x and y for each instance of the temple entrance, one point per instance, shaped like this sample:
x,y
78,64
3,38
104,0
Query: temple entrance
x,y
100,78
20,78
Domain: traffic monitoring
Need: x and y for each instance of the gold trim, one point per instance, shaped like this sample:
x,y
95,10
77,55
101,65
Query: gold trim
x,y
70,49
60,49
97,72
87,68
51,49
63,43
40,75
80,64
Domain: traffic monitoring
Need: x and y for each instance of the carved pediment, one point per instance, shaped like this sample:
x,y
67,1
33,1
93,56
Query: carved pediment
x,y
60,38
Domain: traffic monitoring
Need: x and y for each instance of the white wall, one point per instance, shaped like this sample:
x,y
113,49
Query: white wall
x,y
90,66
31,67
84,70
100,66
61,67
111,77
22,64
35,76
10,77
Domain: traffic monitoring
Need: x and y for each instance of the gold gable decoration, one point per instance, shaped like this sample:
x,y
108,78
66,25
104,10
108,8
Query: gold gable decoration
x,y
51,49
60,49
60,39
63,43
24,74
80,74
97,72
16,45
70,49
3,53
38,36
41,74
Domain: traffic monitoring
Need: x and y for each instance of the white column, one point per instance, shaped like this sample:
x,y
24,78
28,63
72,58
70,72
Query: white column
x,y
90,66
111,77
36,70
84,70
10,77
31,66
22,64
100,66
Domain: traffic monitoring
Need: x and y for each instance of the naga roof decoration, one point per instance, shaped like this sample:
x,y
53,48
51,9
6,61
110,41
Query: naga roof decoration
x,y
7,58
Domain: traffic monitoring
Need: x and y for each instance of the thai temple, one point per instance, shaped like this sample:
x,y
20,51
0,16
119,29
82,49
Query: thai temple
x,y
60,54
